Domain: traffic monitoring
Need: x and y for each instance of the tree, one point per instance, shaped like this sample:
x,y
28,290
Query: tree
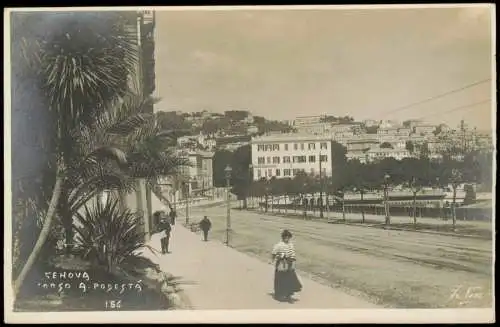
x,y
82,64
222,158
410,146
241,177
386,145
236,115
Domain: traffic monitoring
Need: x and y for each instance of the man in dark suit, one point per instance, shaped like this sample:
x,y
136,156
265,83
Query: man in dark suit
x,y
205,226
172,215
164,228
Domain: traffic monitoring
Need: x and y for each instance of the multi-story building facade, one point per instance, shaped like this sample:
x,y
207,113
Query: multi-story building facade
x,y
285,155
317,128
424,129
381,153
304,120
200,171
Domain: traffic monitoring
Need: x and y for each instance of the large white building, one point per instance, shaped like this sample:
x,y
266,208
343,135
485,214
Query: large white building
x,y
284,155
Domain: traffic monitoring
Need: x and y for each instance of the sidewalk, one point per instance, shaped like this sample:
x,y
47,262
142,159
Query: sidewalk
x,y
214,276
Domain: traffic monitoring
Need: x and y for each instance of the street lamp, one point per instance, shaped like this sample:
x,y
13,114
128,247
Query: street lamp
x,y
228,171
455,181
250,174
415,189
186,187
386,199
320,188
268,181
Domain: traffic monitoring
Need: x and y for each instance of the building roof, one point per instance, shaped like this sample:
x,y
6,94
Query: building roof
x,y
290,137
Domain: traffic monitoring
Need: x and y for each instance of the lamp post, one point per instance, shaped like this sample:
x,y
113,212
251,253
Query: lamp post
x,y
267,195
386,199
320,188
228,171
186,186
455,181
414,189
438,188
250,174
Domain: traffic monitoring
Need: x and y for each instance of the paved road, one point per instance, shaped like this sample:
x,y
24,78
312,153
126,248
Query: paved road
x,y
218,277
402,269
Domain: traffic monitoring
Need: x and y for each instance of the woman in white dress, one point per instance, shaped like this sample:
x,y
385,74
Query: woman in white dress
x,y
286,282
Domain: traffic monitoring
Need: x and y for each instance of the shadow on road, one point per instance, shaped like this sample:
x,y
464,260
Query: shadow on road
x,y
291,300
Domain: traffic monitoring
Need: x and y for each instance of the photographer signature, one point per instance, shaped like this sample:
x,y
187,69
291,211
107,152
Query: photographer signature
x,y
466,294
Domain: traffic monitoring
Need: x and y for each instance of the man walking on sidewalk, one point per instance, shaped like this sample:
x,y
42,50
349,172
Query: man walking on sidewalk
x,y
165,230
205,226
172,215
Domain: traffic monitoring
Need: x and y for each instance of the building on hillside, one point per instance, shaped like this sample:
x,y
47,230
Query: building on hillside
x,y
252,129
304,120
342,128
317,128
362,144
371,122
249,119
389,124
375,154
199,173
231,147
285,155
427,129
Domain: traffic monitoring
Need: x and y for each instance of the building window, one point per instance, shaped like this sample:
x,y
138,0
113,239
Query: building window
x,y
276,147
268,160
286,172
286,159
301,159
296,171
260,147
276,160
270,172
261,160
278,172
295,146
323,158
323,145
302,146
259,173
311,146
286,147
312,158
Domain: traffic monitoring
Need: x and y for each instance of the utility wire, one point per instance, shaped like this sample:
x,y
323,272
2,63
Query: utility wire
x,y
436,97
457,108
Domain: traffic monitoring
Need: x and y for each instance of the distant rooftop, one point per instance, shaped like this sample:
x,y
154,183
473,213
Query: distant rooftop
x,y
291,137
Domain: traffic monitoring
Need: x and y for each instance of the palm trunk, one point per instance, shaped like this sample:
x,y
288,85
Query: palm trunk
x,y
44,233
67,218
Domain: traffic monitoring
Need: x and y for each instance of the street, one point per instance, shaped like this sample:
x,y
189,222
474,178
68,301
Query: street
x,y
397,269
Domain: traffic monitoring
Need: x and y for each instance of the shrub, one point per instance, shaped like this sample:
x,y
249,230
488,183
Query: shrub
x,y
107,235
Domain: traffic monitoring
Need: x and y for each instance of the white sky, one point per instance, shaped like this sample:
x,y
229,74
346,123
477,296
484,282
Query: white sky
x,y
364,63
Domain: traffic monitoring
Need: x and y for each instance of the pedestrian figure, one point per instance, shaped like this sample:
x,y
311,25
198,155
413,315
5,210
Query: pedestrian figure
x,y
205,226
286,281
172,215
165,230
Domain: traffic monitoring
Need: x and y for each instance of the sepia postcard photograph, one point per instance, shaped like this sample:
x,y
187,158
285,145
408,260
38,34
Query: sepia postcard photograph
x,y
242,164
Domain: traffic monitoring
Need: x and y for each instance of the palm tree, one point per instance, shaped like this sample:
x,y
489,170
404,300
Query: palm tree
x,y
81,62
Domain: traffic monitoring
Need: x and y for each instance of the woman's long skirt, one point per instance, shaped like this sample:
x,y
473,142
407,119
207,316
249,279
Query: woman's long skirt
x,y
286,283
